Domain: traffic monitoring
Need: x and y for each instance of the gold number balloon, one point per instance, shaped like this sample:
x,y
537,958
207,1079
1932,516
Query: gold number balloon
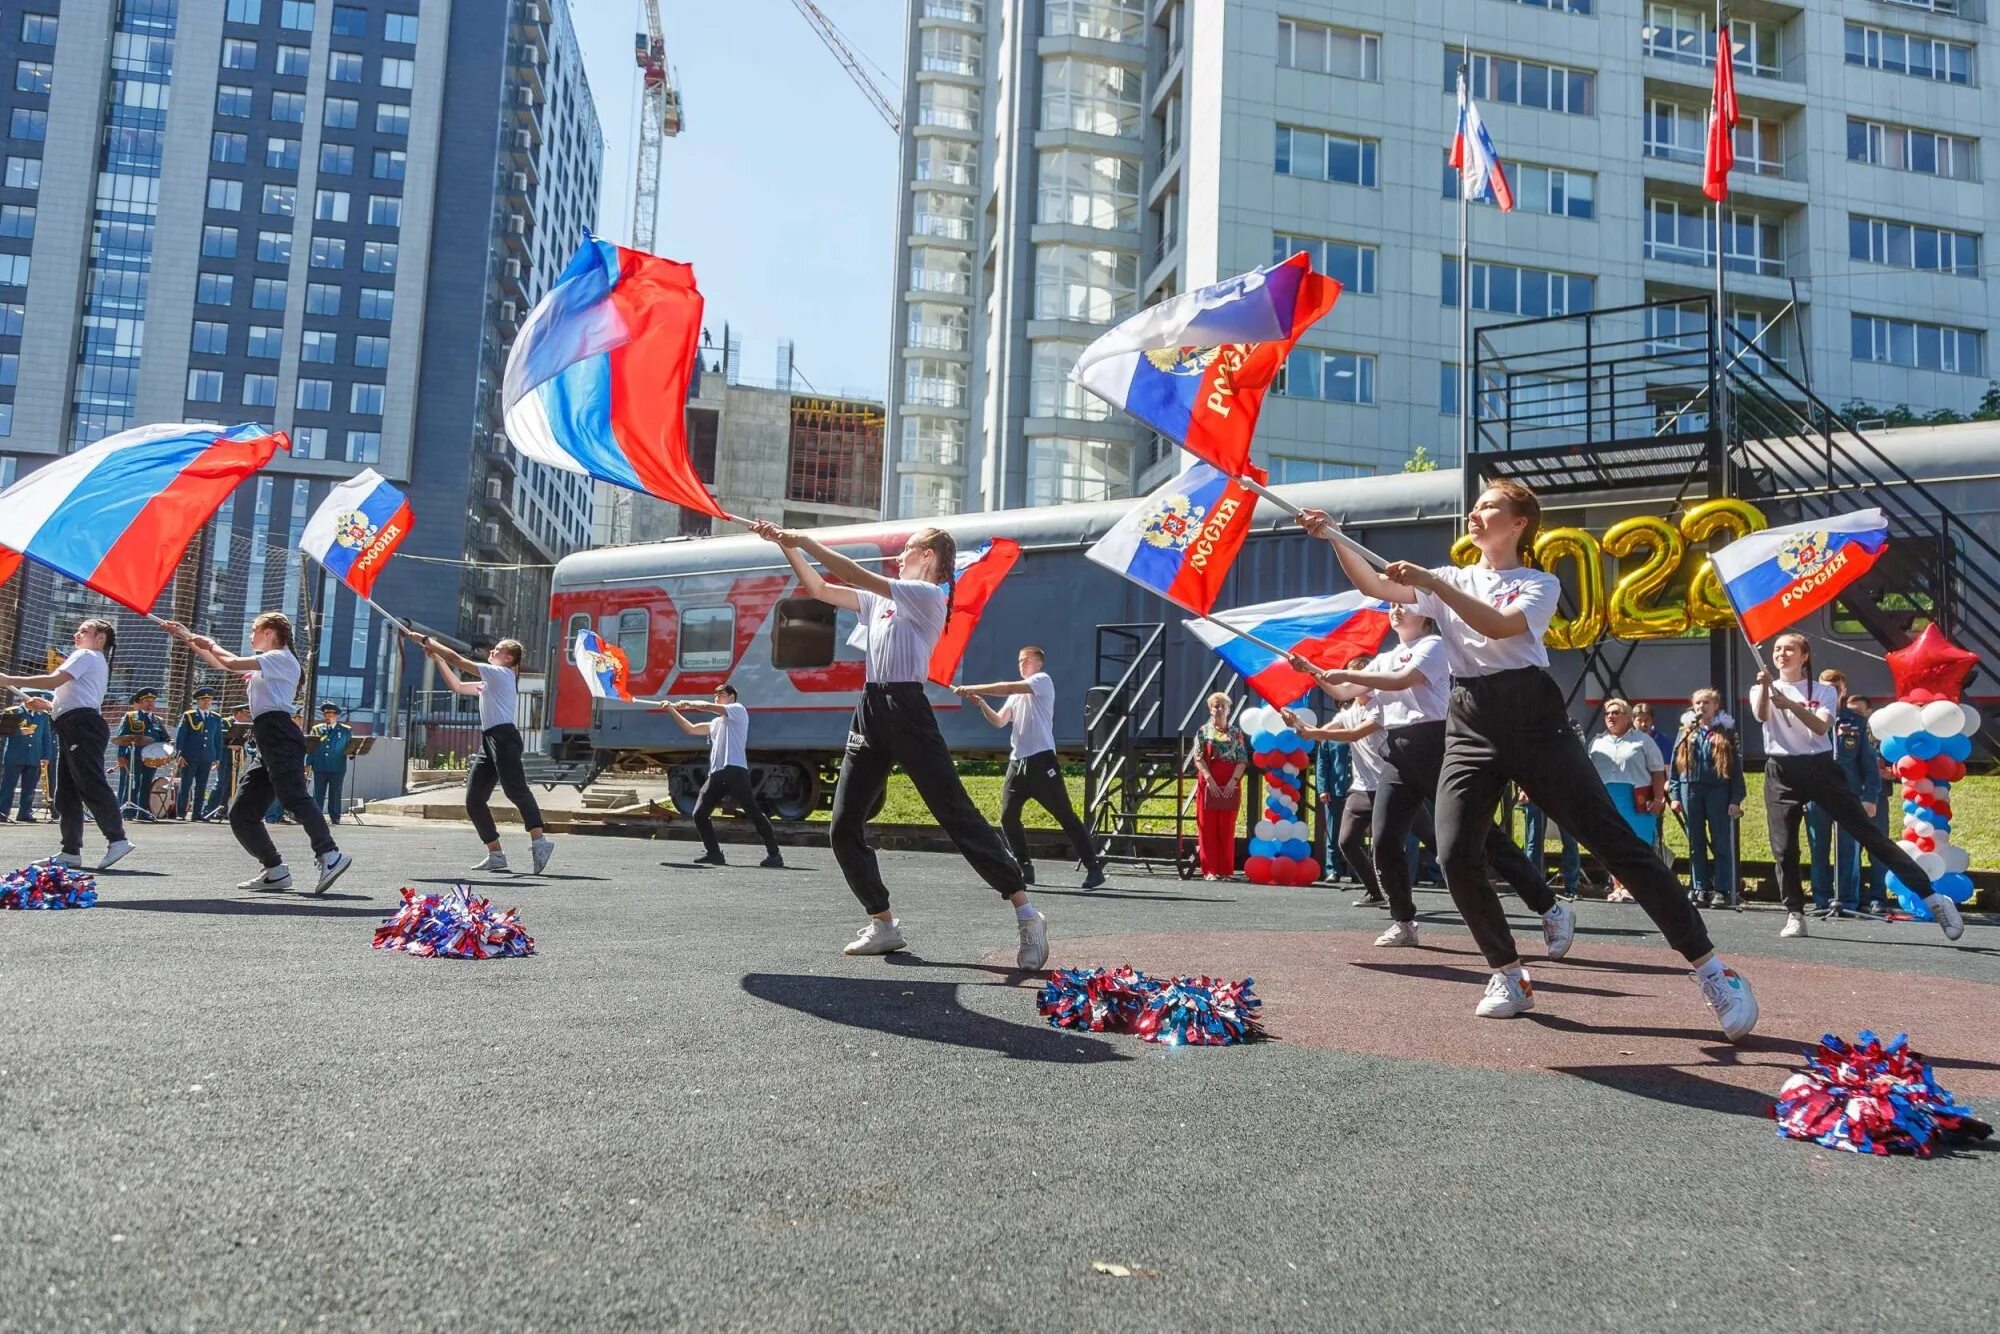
x,y
1586,627
1633,613
1463,552
1728,519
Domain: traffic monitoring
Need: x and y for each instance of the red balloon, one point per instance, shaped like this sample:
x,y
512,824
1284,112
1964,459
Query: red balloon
x,y
1927,844
1922,696
1913,768
1943,808
1259,870
1931,662
1947,770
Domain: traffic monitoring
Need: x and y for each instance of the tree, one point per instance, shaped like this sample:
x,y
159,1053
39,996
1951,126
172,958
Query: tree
x,y
1420,461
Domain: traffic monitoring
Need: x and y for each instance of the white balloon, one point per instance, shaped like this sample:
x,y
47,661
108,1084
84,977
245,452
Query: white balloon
x,y
1307,716
1897,719
1924,785
1972,720
1266,829
1956,860
1930,864
1251,719
1943,717
1909,845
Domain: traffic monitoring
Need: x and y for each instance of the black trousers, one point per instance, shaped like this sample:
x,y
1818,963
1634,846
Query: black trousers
x,y
893,724
1038,778
1357,818
81,736
499,761
282,774
730,786
1512,726
1793,781
1409,779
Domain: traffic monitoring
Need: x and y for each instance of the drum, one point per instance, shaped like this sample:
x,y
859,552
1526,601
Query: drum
x,y
158,755
161,802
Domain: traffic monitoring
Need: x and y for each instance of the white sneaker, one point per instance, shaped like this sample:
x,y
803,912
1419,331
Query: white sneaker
x,y
70,859
1507,994
331,868
1558,930
545,849
492,861
1399,935
1034,951
1734,1004
278,877
115,854
1795,926
1947,914
878,937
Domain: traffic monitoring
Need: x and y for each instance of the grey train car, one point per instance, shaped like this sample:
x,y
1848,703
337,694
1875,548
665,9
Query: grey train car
x,y
693,613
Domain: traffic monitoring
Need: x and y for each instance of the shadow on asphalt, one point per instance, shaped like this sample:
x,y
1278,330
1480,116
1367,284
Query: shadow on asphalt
x,y
1037,891
274,906
928,1011
1670,1083
1444,972
473,878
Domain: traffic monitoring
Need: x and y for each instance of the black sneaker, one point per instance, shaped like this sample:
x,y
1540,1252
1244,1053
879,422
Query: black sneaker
x,y
774,862
710,859
1095,880
1028,873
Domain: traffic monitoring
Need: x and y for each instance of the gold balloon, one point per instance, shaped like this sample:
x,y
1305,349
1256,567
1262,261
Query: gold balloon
x,y
1633,612
1586,627
1728,519
1463,552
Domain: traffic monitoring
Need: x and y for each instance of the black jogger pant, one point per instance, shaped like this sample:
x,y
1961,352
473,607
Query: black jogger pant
x,y
1512,725
1038,778
499,761
893,725
1790,782
81,736
730,786
1409,779
282,749
1357,817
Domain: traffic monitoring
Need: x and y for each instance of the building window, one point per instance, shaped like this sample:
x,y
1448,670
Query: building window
x,y
377,303
390,164
227,147
350,21
296,15
281,153
38,29
216,242
267,294
28,123
1097,20
949,51
385,211
281,200
13,270
232,100
938,441
392,118
32,76
936,270
1524,83
318,346
1050,392
1080,283
1559,191
244,11
1081,189
950,105
1064,471
336,159
343,67
1560,6
1336,377
1901,148
398,73
371,351
378,256
314,396
1090,97
13,315
1907,245
267,342
211,338
1505,289
308,442
1680,233
1679,133
24,173
400,28
1348,261
342,113
1324,50
330,206
238,53
938,328
213,289
1909,53
329,252
1326,157
364,446
365,400
274,247
295,61
289,108
1924,347
1286,470
260,391
204,386
323,299
934,383
950,161
1687,34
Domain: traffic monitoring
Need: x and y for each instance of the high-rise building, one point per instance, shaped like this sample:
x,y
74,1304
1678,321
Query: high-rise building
x,y
1067,161
330,217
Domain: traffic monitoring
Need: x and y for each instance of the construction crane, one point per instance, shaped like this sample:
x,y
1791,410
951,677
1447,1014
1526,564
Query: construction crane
x,y
660,119
850,62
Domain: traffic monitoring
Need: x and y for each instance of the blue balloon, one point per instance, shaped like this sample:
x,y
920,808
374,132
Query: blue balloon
x,y
1297,849
1894,749
1956,886
1940,826
1895,882
1924,745
1917,909
1912,808
1958,747
1263,847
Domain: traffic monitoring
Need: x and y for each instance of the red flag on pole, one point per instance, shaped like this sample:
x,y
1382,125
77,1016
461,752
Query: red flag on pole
x,y
1722,118
977,579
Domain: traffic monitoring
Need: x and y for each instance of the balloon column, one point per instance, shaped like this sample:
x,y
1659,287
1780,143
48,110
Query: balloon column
x,y
1926,738
1281,851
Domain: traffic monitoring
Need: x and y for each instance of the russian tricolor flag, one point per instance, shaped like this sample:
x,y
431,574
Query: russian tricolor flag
x,y
116,516
975,579
1779,576
1195,368
357,528
1472,153
1181,540
1328,632
597,381
604,667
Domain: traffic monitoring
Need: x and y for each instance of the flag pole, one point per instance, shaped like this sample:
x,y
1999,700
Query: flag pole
x,y
1465,371
1259,489
1264,644
393,620
1721,404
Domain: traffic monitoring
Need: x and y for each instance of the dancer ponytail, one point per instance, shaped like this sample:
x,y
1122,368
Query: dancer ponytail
x,y
945,547
99,625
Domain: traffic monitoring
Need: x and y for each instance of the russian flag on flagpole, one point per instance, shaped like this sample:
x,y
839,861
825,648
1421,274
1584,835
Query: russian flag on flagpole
x,y
597,381
1181,540
1472,154
357,528
606,671
976,578
1778,576
116,516
1719,154
1327,632
1195,368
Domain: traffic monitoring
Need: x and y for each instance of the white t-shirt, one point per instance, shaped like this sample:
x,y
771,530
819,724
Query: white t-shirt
x,y
729,738
1425,701
1533,592
1786,735
1033,717
902,629
89,674
499,692
1633,758
1370,754
275,684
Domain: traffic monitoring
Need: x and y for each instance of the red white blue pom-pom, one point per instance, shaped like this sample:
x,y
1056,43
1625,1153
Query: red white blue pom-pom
x,y
1871,1098
1178,1011
47,885
454,925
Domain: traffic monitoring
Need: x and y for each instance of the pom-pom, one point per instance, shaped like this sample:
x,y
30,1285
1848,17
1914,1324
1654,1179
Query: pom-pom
x,y
454,925
47,886
1868,1098
1178,1011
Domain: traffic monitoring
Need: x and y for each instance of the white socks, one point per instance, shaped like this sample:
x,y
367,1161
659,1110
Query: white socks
x,y
1025,911
1711,970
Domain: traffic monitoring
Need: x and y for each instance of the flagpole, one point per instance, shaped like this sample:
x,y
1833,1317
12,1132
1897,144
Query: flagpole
x,y
1465,372
1721,404
1264,644
393,620
1259,489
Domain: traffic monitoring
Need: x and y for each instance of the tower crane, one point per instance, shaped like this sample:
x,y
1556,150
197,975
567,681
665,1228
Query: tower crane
x,y
660,119
876,95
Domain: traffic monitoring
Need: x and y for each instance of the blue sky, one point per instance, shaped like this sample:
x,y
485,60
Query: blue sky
x,y
782,189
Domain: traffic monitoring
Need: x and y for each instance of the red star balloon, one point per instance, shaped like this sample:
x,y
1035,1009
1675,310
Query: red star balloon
x,y
1931,662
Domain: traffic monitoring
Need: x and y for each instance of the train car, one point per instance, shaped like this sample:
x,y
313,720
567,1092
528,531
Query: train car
x,y
693,613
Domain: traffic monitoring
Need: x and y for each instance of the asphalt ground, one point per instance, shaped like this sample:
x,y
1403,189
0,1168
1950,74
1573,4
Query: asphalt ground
x,y
689,1110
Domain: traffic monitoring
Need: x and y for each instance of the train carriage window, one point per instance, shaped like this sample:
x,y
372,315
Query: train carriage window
x,y
803,634
708,638
631,633
578,620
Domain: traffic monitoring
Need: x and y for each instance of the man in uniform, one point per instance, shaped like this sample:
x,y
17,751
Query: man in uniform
x,y
328,759
31,746
233,760
199,741
141,728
